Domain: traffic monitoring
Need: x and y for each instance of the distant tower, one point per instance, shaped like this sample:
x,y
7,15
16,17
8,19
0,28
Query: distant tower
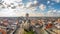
x,y
27,16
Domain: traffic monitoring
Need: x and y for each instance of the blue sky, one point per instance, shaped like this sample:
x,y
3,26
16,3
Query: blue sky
x,y
17,8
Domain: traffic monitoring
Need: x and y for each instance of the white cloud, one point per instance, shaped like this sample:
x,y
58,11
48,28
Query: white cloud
x,y
58,1
21,5
21,9
32,8
29,4
36,14
12,13
6,12
18,12
42,7
8,1
48,2
18,0
11,1
32,4
53,13
59,11
35,3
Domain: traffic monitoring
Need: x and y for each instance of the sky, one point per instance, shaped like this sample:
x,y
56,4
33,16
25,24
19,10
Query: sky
x,y
35,8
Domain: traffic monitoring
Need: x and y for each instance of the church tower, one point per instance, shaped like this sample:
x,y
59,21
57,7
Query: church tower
x,y
27,16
